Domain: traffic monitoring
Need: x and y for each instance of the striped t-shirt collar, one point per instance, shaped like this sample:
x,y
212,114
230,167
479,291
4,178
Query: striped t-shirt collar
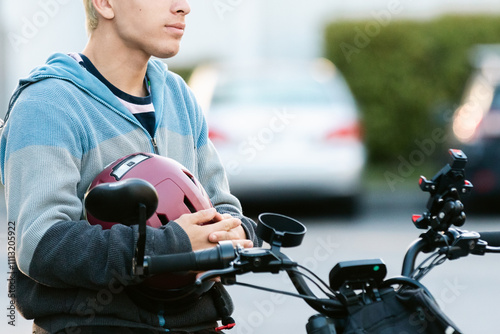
x,y
141,107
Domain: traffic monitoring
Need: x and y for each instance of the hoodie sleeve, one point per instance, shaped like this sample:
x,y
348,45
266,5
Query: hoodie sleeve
x,y
42,154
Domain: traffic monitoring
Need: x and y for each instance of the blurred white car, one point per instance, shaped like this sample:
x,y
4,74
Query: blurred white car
x,y
284,129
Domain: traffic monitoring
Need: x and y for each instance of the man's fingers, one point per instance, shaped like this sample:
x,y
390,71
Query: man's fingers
x,y
206,215
226,225
199,217
222,227
232,236
245,243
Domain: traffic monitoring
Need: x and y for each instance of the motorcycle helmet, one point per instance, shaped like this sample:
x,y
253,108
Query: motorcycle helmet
x,y
179,192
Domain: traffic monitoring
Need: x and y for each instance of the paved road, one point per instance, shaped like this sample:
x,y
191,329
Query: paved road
x,y
466,289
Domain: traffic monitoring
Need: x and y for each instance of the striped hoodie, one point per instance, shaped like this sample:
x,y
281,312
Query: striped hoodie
x,y
63,126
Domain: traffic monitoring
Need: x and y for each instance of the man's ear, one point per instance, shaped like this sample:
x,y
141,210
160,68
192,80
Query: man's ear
x,y
104,8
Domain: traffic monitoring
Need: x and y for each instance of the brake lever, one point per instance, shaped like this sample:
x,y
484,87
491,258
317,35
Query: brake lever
x,y
464,243
250,260
228,275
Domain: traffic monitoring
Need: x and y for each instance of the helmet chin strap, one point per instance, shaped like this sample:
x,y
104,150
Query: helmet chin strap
x,y
138,260
224,312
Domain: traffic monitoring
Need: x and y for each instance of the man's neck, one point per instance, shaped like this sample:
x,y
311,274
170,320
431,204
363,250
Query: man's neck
x,y
122,67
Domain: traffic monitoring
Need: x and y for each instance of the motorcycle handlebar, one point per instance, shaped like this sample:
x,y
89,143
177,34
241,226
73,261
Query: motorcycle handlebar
x,y
492,238
221,256
486,242
212,258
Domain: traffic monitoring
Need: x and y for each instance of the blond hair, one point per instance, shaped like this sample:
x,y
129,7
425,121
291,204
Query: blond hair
x,y
92,21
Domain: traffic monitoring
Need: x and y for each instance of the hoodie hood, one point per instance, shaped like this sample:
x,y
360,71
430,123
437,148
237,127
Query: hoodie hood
x,y
64,67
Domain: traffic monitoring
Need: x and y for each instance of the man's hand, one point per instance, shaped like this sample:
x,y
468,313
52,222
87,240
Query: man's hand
x,y
206,227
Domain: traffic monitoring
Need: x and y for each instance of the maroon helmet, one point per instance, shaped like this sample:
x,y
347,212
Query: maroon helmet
x,y
179,192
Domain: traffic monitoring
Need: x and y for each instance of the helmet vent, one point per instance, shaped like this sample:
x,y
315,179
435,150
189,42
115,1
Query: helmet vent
x,y
190,176
163,218
189,205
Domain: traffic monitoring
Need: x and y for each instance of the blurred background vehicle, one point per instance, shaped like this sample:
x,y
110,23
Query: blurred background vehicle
x,y
284,130
476,127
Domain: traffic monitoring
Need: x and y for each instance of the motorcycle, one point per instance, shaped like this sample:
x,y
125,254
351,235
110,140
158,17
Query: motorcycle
x,y
358,298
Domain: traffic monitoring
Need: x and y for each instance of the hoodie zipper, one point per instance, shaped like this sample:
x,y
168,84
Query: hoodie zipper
x,y
155,147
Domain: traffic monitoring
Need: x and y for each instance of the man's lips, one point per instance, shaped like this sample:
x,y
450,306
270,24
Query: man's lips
x,y
177,27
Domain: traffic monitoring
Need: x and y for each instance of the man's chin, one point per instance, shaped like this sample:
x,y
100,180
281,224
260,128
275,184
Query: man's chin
x,y
163,54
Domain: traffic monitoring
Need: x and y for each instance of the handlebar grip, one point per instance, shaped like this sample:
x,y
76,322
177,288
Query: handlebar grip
x,y
492,238
212,258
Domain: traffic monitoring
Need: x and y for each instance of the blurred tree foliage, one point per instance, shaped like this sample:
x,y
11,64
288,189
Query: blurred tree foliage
x,y
184,72
402,71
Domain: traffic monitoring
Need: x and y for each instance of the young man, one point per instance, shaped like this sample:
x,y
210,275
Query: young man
x,y
68,120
